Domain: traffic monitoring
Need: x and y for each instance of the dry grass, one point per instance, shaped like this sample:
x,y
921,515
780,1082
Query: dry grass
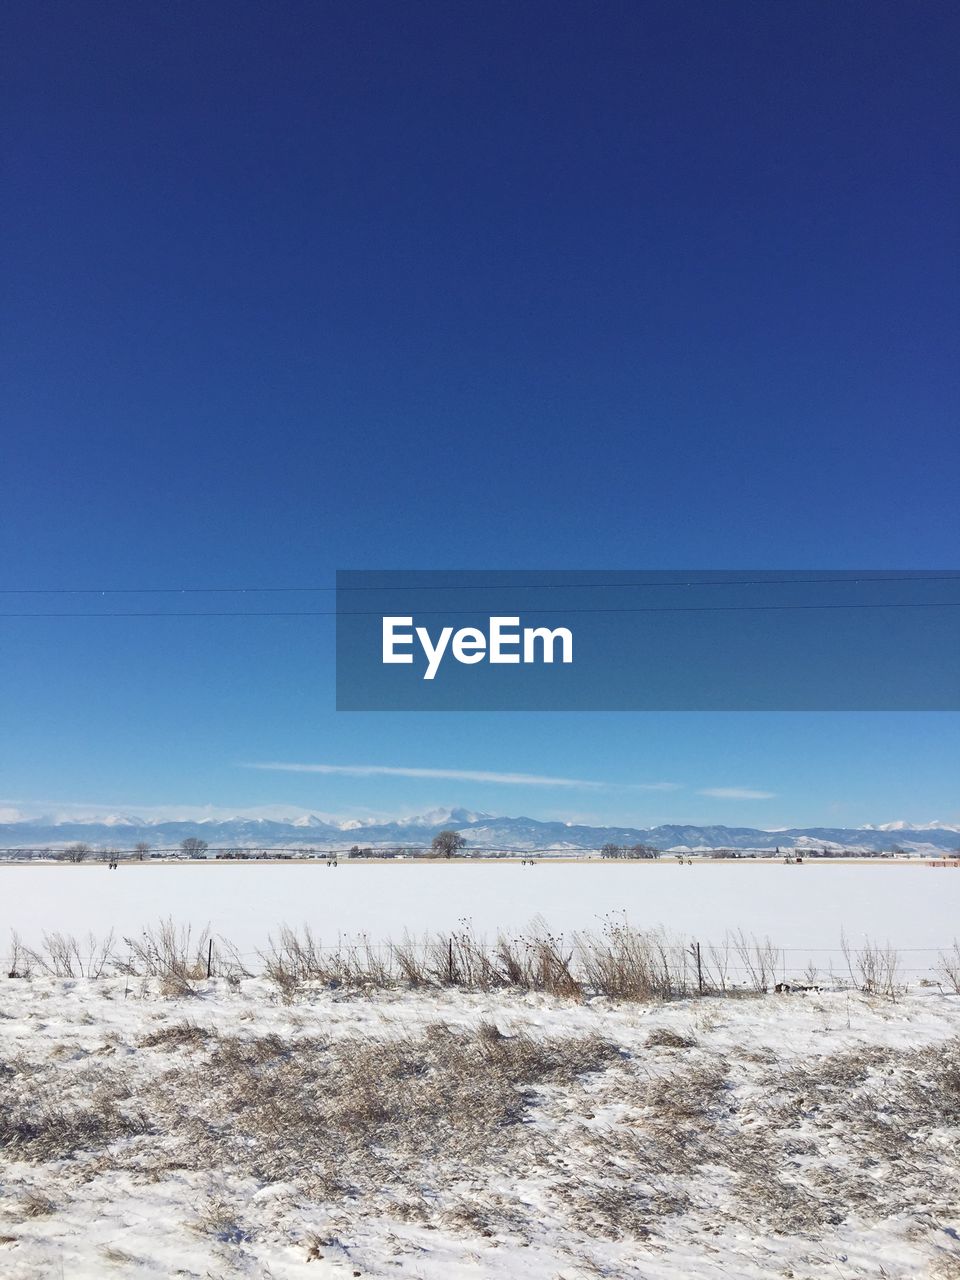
x,y
61,955
52,1116
167,951
874,969
221,1220
35,1204
664,1038
178,1035
948,967
360,1114
121,1257
437,1127
946,1265
618,961
866,1133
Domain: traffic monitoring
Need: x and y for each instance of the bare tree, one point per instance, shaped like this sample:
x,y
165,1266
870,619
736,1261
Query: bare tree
x,y
142,849
448,843
76,852
193,847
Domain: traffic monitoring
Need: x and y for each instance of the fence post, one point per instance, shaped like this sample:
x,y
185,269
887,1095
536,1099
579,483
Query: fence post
x,y
696,951
450,961
209,957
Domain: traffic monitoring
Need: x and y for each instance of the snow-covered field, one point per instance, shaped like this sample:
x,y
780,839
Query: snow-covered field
x,y
445,1134
802,909
282,1127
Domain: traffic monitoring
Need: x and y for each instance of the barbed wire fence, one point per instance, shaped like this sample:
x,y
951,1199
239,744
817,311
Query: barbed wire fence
x,y
675,964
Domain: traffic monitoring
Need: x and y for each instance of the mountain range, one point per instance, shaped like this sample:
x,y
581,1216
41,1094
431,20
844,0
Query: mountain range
x,y
483,832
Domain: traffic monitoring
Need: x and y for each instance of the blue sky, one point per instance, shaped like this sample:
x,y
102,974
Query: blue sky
x,y
294,288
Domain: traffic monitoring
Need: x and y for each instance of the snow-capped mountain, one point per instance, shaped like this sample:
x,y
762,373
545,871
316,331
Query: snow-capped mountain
x,y
913,826
482,832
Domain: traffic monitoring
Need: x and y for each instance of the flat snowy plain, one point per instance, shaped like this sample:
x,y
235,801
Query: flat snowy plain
x,y
253,1127
802,909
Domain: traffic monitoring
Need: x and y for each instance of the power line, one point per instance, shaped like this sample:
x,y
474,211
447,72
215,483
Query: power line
x,y
504,586
376,613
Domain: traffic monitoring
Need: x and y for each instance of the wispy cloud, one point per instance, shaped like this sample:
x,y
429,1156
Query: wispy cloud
x,y
87,811
456,775
736,793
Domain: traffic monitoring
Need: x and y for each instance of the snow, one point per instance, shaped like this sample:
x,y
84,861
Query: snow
x,y
900,825
801,1135
802,909
144,1206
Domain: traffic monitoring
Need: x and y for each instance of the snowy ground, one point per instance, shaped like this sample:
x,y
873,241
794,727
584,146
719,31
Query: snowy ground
x,y
442,1134
803,910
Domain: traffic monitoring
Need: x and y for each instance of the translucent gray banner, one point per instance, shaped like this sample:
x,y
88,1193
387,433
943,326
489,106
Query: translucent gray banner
x,y
735,640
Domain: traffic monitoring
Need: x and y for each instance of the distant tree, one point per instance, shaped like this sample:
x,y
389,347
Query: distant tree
x,y
644,851
142,849
76,852
611,851
355,851
193,847
447,843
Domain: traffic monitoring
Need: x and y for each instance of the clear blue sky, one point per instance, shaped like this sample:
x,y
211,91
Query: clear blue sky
x,y
292,287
